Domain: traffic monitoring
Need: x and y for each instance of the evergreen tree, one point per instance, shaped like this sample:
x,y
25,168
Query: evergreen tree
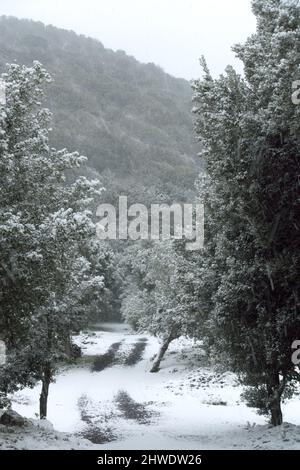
x,y
249,131
49,262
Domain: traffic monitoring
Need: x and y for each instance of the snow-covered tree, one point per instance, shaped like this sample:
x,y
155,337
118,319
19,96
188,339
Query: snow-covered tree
x,y
50,262
153,299
249,131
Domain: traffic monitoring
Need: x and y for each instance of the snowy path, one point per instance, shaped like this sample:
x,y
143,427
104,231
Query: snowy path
x,y
115,402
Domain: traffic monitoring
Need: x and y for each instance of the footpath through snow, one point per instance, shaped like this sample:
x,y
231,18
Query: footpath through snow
x,y
109,400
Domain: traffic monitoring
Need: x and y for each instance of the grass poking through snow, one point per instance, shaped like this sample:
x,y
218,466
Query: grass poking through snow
x,y
97,429
130,409
108,359
136,353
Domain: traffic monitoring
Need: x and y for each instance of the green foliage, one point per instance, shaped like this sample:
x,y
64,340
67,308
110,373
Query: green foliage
x,y
154,276
52,267
249,131
128,117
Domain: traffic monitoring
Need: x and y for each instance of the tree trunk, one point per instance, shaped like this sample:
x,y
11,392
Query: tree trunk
x,y
275,390
45,391
68,346
161,353
276,413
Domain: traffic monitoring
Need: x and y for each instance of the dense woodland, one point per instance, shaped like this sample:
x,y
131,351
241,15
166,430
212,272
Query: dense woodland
x,y
240,294
131,119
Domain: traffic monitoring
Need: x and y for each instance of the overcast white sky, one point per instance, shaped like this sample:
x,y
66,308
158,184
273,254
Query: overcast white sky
x,y
170,33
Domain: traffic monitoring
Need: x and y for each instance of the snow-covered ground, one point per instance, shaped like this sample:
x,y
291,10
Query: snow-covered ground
x,y
186,405
39,435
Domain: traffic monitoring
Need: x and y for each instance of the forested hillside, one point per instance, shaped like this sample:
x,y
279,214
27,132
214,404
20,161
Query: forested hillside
x,y
128,117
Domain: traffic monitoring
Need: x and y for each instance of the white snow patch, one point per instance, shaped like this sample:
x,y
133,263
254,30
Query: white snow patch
x,y
190,405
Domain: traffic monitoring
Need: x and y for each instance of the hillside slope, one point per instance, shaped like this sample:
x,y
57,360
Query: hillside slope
x,y
128,117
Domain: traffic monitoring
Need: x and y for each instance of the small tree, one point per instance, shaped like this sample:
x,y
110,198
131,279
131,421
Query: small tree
x,y
152,301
